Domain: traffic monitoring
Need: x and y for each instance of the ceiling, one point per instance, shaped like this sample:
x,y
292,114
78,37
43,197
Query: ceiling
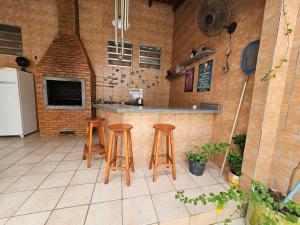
x,y
174,3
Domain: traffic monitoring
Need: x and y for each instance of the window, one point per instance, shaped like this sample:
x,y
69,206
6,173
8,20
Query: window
x,y
115,58
10,40
150,57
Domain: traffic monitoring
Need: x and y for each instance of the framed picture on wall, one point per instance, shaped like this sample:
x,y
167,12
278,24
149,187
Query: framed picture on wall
x,y
189,80
204,76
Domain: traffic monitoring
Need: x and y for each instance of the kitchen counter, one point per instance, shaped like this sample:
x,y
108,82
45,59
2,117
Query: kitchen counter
x,y
193,126
118,108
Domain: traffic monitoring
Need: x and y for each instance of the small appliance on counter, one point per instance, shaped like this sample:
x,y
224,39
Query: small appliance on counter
x,y
135,97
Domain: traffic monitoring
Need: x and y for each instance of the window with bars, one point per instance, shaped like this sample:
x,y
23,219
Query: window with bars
x,y
150,57
115,58
10,40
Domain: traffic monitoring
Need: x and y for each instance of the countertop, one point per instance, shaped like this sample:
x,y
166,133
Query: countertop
x,y
118,108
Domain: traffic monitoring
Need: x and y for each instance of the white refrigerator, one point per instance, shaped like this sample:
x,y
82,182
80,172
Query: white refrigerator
x,y
17,103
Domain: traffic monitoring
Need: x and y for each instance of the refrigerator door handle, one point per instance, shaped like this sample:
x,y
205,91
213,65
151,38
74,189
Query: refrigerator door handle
x,y
7,82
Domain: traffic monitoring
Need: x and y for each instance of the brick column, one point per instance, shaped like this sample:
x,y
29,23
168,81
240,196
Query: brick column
x,y
269,105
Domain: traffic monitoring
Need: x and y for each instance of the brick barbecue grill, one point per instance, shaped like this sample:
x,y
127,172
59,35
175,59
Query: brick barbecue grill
x,y
66,59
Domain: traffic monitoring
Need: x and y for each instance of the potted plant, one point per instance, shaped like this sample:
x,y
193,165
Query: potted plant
x,y
265,206
201,155
235,159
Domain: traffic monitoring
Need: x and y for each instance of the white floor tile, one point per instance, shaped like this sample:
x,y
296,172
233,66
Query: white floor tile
x,y
107,192
85,176
31,159
138,187
76,195
3,221
9,203
54,157
30,219
6,181
60,179
16,170
67,166
139,211
68,216
27,183
74,156
41,200
43,167
167,207
199,208
162,184
183,181
111,213
204,180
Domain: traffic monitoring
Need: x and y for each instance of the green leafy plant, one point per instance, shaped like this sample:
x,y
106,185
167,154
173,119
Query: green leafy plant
x,y
272,72
259,194
240,141
234,193
205,152
235,160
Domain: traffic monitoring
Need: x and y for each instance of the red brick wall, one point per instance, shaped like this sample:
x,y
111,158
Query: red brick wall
x,y
66,57
226,87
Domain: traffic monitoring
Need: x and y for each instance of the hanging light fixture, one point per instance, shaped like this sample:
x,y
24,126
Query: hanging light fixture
x,y
121,22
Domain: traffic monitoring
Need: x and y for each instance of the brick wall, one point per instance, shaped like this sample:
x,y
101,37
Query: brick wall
x,y
226,87
66,57
151,26
272,148
38,20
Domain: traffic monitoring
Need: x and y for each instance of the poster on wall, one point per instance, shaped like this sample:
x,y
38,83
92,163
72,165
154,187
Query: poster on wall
x,y
189,80
204,77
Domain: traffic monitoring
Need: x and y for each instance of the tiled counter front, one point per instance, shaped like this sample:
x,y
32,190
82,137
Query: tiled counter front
x,y
191,129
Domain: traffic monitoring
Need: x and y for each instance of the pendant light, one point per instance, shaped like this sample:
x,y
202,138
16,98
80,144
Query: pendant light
x,y
121,22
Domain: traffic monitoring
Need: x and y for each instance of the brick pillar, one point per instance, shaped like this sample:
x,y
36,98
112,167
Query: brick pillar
x,y
269,103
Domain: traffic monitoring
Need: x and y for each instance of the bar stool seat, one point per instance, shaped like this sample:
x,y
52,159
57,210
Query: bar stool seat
x,y
89,148
120,129
167,130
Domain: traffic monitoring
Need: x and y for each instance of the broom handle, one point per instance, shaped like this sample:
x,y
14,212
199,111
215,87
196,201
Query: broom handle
x,y
235,121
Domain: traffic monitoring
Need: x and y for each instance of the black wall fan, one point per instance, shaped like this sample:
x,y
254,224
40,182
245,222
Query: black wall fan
x,y
213,18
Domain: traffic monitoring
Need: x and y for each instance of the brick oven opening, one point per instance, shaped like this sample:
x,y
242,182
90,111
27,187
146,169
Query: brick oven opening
x,y
64,93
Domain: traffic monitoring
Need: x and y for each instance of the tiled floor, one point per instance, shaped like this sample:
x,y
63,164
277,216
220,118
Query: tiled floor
x,y
44,181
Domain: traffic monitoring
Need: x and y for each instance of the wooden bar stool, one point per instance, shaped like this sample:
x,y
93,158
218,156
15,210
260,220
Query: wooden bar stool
x,y
116,130
88,147
167,130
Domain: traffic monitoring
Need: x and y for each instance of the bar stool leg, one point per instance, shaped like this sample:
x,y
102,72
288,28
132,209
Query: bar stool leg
x,y
115,150
173,157
156,153
100,140
89,163
85,143
106,177
167,148
153,150
125,139
104,142
131,164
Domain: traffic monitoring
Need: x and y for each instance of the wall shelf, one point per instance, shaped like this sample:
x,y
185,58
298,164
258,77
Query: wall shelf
x,y
179,74
190,61
197,57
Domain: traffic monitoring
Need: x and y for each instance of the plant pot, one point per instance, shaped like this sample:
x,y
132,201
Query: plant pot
x,y
196,168
232,179
257,213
